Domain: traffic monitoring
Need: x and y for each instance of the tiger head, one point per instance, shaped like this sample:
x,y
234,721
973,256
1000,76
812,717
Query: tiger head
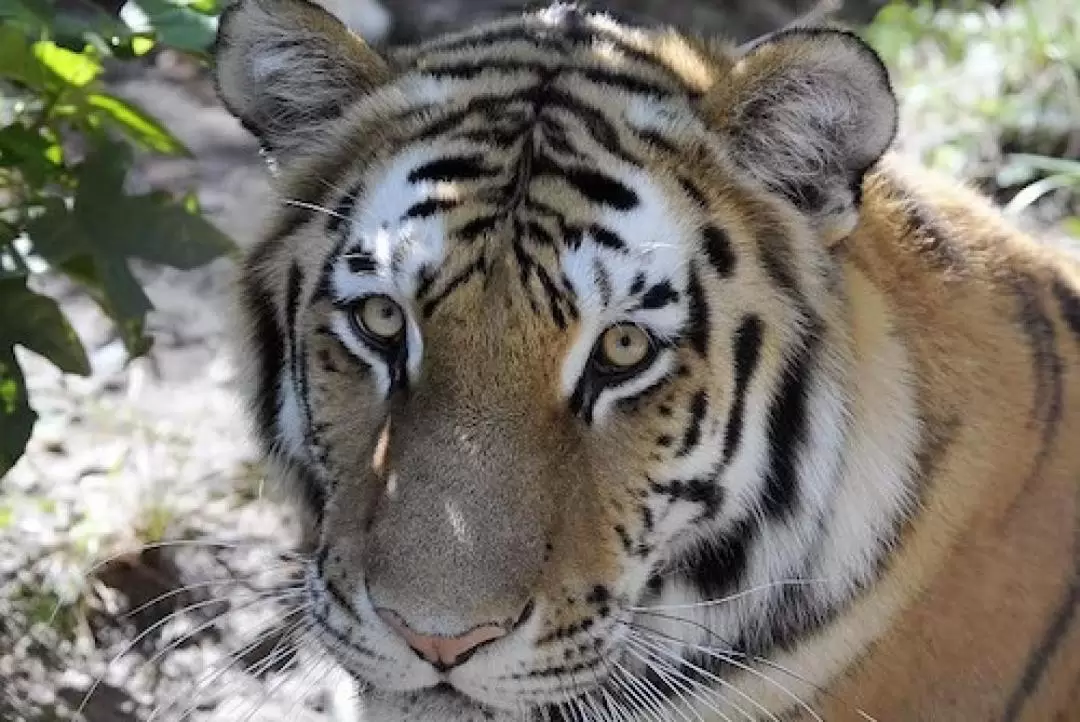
x,y
544,333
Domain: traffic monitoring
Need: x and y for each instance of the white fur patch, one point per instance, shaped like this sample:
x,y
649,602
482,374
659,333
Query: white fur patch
x,y
658,241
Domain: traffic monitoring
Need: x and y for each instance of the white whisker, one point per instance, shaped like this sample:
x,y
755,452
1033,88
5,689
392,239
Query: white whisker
x,y
729,658
653,648
676,686
235,657
317,208
730,597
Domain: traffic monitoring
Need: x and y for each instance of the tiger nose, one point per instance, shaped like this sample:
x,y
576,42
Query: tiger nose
x,y
443,652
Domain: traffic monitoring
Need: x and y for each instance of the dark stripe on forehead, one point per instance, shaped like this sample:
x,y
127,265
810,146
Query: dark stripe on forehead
x,y
452,168
430,207
659,295
625,81
594,185
477,267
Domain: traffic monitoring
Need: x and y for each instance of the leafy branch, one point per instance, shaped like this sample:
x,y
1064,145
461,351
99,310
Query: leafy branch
x,y
66,146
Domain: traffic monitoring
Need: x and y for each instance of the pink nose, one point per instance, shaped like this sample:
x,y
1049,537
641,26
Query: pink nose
x,y
443,652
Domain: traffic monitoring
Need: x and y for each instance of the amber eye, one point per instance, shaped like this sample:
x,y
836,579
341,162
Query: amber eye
x,y
380,318
623,347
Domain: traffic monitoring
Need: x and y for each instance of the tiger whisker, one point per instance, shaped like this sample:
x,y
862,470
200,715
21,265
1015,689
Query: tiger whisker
x,y
749,657
199,585
730,658
257,669
645,692
175,643
677,686
210,543
730,597
654,648
632,696
317,208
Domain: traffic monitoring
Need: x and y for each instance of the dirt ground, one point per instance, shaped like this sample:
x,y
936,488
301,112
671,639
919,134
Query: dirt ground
x,y
157,449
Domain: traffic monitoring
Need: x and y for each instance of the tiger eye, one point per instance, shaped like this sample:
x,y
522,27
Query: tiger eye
x,y
380,317
623,346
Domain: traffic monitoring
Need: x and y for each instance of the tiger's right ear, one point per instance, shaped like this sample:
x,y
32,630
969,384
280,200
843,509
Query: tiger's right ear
x,y
286,68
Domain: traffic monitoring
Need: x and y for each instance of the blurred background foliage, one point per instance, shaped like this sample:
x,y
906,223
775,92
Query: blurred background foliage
x,y
65,149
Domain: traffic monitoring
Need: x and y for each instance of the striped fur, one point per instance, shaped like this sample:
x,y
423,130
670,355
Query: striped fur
x,y
838,486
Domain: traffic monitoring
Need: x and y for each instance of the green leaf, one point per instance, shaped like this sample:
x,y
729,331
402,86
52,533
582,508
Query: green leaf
x,y
17,62
176,23
105,228
77,69
37,323
169,233
16,417
31,15
30,152
137,124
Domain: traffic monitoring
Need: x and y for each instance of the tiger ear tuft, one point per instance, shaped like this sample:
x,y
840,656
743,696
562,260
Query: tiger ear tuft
x,y
808,111
286,68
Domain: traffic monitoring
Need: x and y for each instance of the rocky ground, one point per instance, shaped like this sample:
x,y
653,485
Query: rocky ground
x,y
145,453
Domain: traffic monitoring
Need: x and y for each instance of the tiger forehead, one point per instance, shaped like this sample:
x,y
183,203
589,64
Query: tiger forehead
x,y
526,169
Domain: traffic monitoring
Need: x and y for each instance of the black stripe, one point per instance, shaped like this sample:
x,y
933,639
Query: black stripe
x,y
718,249
466,69
479,226
600,129
718,565
697,329
361,262
453,284
452,168
696,195
601,188
430,207
269,342
517,33
606,238
626,81
1046,364
540,234
1069,300
1042,655
657,139
699,405
343,212
659,295
294,285
787,433
747,344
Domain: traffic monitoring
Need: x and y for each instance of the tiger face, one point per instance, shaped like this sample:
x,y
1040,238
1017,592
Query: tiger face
x,y
546,334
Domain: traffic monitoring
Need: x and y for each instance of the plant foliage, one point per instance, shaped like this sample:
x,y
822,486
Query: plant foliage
x,y
66,146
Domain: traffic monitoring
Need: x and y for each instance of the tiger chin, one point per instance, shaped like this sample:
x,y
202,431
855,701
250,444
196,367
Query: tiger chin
x,y
622,374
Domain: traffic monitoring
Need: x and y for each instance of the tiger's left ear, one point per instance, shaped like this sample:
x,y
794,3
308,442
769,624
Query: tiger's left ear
x,y
808,111
287,68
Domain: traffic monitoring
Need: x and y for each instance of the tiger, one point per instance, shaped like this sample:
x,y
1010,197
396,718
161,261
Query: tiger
x,y
621,373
